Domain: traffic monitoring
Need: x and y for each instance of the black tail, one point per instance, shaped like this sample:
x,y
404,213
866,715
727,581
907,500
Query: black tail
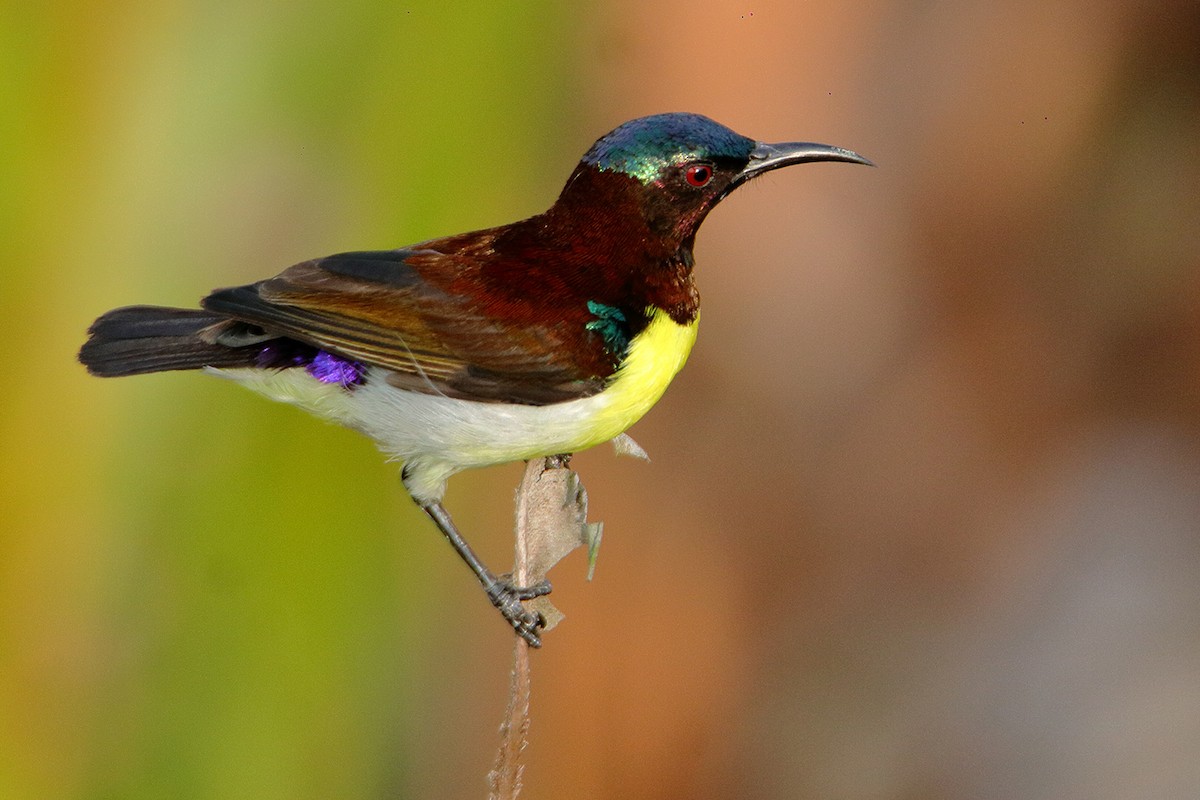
x,y
138,339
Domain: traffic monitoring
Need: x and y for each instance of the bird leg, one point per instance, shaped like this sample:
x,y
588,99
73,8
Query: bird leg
x,y
501,591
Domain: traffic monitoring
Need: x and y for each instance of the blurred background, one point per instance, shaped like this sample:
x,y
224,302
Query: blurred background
x,y
923,515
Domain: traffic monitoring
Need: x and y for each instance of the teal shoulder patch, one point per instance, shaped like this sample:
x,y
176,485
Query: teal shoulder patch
x,y
612,326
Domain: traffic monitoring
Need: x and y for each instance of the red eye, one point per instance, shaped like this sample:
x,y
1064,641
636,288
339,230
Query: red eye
x,y
699,174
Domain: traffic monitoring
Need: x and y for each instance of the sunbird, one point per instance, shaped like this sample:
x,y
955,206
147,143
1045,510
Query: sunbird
x,y
542,337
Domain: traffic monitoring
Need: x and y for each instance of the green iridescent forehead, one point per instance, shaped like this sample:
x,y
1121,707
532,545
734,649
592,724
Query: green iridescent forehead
x,y
645,147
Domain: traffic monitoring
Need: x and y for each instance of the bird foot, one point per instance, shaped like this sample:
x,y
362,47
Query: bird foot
x,y
507,597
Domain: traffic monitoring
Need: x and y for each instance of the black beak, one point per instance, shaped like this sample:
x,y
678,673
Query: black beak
x,y
766,157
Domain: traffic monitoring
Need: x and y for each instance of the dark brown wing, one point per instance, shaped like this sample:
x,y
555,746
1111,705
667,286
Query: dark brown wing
x,y
394,309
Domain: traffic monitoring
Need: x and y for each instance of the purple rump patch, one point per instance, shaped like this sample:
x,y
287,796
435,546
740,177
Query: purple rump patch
x,y
322,365
328,368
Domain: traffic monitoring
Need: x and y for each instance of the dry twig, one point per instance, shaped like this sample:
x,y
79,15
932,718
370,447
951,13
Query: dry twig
x,y
551,521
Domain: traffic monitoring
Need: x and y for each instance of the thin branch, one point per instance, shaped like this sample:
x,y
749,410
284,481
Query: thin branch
x,y
505,777
551,522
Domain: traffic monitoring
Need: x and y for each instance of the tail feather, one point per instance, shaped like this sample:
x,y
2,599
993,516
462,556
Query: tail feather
x,y
140,339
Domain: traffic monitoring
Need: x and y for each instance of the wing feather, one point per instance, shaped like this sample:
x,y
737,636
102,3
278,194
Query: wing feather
x,y
393,309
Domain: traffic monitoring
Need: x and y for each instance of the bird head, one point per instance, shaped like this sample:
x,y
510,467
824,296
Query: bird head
x,y
672,169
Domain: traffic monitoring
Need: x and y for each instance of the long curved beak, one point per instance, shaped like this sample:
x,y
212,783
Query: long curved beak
x,y
766,157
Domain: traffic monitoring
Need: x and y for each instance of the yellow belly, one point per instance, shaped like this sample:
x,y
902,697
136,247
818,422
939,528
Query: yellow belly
x,y
655,356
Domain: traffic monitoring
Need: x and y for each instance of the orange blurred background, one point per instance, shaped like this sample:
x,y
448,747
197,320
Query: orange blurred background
x,y
923,515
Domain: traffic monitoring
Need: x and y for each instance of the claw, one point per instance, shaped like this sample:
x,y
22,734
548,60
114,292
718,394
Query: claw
x,y
507,598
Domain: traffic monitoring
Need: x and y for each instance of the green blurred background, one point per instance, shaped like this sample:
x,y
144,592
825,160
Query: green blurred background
x,y
923,514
